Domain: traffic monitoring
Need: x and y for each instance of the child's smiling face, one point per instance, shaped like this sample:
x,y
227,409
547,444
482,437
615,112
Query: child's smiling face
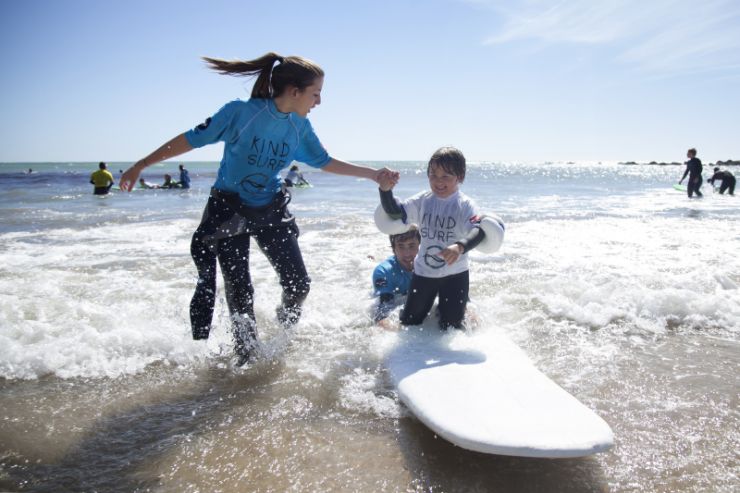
x,y
442,183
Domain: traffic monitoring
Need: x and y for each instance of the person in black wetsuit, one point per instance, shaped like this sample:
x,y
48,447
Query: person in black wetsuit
x,y
727,178
693,169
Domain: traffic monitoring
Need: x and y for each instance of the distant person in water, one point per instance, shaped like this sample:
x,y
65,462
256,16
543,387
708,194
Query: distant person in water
x,y
295,177
184,177
168,183
391,278
146,185
693,170
727,178
102,179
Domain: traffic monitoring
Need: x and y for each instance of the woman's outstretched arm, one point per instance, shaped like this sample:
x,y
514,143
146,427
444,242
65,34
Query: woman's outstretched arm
x,y
172,148
348,169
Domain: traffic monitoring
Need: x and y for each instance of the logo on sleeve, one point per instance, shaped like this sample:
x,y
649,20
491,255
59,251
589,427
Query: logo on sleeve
x,y
381,282
204,125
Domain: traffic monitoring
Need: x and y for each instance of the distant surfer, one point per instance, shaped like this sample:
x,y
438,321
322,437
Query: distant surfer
x,y
261,136
102,180
448,224
295,178
146,185
184,177
391,278
693,170
168,183
727,178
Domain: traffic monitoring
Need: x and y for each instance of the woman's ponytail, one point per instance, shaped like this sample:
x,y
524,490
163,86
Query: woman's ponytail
x,y
271,80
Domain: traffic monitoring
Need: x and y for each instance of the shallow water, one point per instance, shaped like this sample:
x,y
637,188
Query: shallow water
x,y
619,288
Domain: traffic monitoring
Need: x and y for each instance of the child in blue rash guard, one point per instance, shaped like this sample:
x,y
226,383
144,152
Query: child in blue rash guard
x,y
391,278
261,136
448,223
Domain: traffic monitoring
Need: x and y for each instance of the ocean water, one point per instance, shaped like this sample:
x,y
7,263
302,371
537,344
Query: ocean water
x,y
618,287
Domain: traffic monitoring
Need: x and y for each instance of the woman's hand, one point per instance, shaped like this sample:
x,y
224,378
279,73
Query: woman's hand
x,y
172,148
130,177
386,178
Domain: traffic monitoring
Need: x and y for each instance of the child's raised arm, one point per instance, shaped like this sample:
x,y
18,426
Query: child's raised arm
x,y
390,205
172,148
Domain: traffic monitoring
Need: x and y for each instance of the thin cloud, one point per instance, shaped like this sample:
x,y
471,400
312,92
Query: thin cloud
x,y
660,36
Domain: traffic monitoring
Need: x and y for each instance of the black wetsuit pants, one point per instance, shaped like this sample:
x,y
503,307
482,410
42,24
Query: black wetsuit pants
x,y
279,243
694,185
453,298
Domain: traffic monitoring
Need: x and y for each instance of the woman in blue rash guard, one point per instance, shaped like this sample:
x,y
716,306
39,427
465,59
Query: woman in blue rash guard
x,y
261,136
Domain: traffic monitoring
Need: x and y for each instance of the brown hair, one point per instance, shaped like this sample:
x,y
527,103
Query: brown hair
x,y
272,80
412,233
449,159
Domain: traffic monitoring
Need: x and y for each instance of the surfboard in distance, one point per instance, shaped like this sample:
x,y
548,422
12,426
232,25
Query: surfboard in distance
x,y
119,189
482,393
680,188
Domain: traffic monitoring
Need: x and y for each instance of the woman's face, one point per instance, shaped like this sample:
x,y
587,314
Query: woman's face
x,y
308,98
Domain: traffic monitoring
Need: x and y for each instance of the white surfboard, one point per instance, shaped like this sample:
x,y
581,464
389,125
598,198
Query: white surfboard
x,y
482,393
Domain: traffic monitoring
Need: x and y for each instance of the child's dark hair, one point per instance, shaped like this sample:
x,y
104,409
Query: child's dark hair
x,y
272,80
412,233
449,159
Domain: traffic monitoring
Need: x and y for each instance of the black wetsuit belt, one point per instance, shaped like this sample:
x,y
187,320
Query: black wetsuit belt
x,y
267,215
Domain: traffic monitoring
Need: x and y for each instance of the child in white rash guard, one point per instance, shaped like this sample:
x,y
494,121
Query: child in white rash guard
x,y
448,223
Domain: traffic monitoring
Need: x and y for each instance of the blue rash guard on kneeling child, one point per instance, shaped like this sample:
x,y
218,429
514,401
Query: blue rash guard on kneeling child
x,y
390,280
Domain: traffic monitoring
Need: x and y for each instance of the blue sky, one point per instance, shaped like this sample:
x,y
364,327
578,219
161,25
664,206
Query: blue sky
x,y
502,80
